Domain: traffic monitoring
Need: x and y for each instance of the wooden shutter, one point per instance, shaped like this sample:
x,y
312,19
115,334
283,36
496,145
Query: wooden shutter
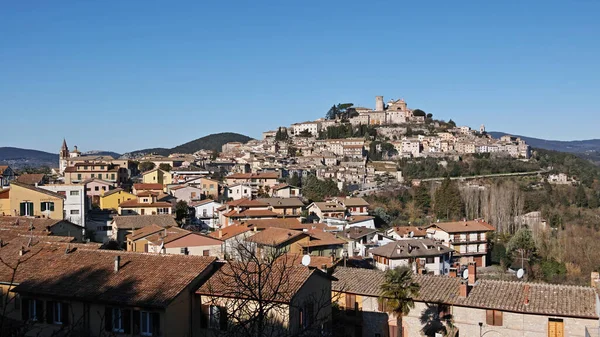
x,y
39,310
556,328
65,313
136,322
223,318
25,309
126,320
49,312
489,317
204,316
22,208
108,320
155,316
497,317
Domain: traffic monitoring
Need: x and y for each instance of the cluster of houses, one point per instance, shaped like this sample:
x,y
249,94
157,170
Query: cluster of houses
x,y
173,282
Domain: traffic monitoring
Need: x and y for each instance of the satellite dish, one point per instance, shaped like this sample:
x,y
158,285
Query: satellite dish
x,y
306,260
411,234
520,273
465,274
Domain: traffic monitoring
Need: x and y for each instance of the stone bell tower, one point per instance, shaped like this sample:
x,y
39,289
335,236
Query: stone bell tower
x,y
63,157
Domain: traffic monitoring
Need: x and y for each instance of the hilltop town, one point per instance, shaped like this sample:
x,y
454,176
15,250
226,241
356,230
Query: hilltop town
x,y
182,245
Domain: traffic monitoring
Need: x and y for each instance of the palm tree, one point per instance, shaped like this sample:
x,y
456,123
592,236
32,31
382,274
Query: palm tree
x,y
398,293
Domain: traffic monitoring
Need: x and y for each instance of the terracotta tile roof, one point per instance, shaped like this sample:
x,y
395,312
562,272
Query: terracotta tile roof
x,y
353,202
101,181
136,204
140,221
37,189
267,175
280,187
410,248
463,226
31,178
201,202
254,213
275,236
229,232
329,206
3,167
141,186
144,232
116,190
286,223
282,202
167,235
544,299
146,193
319,238
145,280
359,218
355,233
245,202
281,281
405,230
315,261
23,222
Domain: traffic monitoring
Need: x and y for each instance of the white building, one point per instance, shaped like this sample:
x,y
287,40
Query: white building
x,y
206,212
238,191
312,127
75,206
421,255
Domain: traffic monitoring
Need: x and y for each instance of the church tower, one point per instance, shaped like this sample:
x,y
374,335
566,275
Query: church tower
x,y
63,157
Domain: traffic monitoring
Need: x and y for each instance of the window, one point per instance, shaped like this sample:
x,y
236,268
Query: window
x,y
96,188
85,167
33,309
493,317
99,175
214,317
102,167
26,208
145,324
79,176
184,251
163,211
74,212
212,186
351,303
57,317
47,206
117,320
430,260
93,175
204,212
73,193
205,252
112,176
104,188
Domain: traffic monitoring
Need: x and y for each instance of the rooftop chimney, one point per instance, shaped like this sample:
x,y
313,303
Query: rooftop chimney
x,y
526,291
464,289
472,273
453,272
117,263
220,233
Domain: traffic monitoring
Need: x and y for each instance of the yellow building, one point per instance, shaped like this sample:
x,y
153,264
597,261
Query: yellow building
x,y
28,200
145,204
112,199
157,176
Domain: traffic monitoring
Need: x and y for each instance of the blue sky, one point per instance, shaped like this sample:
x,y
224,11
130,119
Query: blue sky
x,y
125,75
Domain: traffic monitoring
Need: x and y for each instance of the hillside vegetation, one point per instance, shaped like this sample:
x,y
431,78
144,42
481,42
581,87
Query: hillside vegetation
x,y
212,142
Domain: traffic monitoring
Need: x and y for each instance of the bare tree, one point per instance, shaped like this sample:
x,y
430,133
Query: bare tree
x,y
256,296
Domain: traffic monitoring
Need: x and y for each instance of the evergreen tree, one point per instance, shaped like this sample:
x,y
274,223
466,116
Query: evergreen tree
x,y
422,198
448,202
581,199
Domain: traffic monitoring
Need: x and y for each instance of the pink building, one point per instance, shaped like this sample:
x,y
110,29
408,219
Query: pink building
x,y
95,187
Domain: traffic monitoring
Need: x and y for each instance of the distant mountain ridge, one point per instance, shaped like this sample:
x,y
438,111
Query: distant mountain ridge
x,y
212,142
19,158
587,149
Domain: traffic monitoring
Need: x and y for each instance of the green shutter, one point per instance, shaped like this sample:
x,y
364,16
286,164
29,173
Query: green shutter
x,y
22,208
43,206
52,206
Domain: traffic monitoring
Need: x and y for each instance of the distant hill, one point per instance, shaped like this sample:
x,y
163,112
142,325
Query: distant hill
x,y
212,142
588,149
102,153
19,158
